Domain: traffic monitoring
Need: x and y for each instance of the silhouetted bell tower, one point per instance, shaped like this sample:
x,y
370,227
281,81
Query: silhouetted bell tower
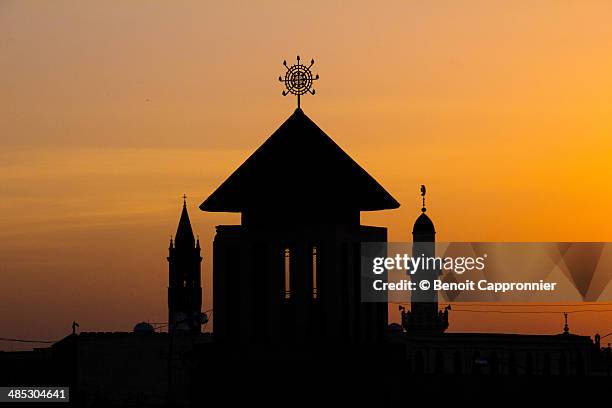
x,y
291,271
184,287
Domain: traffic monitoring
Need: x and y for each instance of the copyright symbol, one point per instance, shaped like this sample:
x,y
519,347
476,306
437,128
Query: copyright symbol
x,y
424,285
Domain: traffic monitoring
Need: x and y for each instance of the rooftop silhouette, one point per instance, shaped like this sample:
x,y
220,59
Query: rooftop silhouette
x,y
300,167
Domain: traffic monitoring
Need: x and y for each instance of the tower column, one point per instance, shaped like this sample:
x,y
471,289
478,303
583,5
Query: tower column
x,y
184,278
424,316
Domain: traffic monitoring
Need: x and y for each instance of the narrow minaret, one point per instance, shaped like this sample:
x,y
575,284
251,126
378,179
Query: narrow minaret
x,y
184,282
424,316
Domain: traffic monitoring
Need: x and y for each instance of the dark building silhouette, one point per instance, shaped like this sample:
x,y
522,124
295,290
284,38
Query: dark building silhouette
x,y
424,315
184,275
431,351
289,324
290,271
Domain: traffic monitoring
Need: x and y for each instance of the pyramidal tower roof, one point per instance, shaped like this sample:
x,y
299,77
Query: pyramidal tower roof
x,y
299,167
184,233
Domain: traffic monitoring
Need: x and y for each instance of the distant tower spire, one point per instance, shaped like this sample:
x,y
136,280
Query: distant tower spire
x,y
184,234
184,277
423,191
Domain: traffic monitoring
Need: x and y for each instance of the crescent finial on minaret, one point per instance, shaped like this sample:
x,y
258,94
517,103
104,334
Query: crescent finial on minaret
x,y
423,191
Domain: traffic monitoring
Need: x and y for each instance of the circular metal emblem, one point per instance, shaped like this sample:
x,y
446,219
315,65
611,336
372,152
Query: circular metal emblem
x,y
298,79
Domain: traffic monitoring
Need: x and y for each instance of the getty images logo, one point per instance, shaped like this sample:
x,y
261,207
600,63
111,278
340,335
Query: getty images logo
x,y
412,265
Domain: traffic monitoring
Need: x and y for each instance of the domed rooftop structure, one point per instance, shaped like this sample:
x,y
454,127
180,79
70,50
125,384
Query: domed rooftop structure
x,y
423,224
144,327
423,229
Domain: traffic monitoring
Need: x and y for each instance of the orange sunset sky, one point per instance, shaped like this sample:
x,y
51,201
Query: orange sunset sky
x,y
111,110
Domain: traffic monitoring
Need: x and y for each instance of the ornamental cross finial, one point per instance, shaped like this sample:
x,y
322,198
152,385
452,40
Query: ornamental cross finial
x,y
298,79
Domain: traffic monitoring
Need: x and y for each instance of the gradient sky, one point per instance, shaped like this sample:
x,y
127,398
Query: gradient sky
x,y
111,110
